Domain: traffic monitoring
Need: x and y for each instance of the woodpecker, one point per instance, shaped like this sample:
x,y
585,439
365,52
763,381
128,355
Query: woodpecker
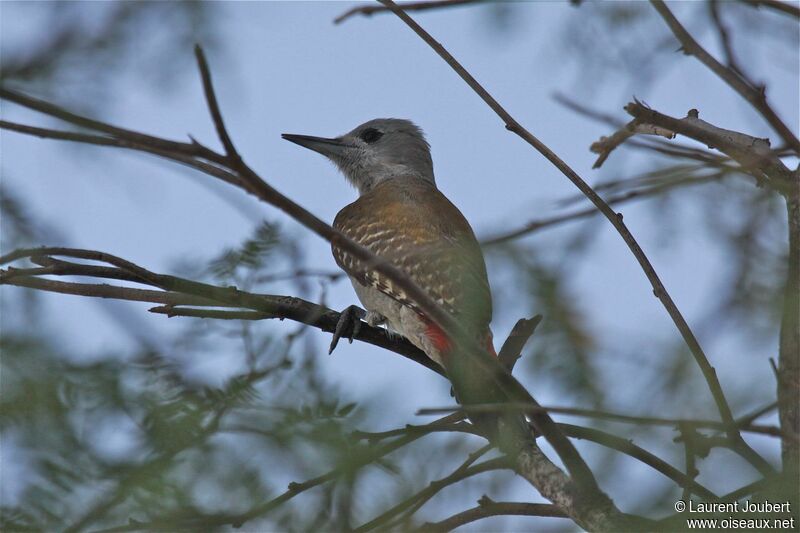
x,y
401,216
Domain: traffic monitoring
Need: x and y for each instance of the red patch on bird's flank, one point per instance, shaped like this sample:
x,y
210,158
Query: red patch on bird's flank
x,y
438,338
442,344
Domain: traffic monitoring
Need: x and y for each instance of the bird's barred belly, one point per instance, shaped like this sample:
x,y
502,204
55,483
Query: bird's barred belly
x,y
400,318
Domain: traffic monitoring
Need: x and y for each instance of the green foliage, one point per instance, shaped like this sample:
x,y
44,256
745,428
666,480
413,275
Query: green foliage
x,y
250,255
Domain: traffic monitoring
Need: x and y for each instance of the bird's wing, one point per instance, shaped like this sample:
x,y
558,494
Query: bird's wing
x,y
414,226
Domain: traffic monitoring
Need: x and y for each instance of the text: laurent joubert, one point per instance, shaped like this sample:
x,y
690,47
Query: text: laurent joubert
x,y
735,507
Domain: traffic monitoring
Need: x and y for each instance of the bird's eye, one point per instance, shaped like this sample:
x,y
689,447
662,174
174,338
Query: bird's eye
x,y
370,135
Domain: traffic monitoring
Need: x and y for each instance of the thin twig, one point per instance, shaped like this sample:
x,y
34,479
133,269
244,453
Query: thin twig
x,y
606,145
725,40
165,152
749,418
213,106
405,516
464,471
604,415
490,508
687,433
629,448
172,311
105,291
187,149
369,9
782,7
458,427
542,223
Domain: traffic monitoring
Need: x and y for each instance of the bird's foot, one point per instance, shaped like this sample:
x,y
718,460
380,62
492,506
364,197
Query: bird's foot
x,y
348,326
374,319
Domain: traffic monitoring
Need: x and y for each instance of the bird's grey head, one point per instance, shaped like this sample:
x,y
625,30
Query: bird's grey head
x,y
375,151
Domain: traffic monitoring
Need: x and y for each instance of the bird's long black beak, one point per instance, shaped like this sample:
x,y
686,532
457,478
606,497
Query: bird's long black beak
x,y
325,146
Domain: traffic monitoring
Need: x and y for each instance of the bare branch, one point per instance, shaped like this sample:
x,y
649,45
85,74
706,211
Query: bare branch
x,y
511,351
213,107
369,9
744,424
616,220
777,5
627,447
217,314
487,507
725,40
753,154
135,137
687,436
126,143
606,145
457,427
542,223
755,96
103,291
668,148
467,469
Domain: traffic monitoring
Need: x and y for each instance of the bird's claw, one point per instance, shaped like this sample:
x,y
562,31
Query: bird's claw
x,y
348,326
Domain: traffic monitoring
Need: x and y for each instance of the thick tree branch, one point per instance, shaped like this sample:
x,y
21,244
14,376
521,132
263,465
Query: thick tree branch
x,y
754,95
753,154
789,360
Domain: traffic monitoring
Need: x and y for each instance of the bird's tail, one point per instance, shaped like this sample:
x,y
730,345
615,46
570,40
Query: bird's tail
x,y
474,386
